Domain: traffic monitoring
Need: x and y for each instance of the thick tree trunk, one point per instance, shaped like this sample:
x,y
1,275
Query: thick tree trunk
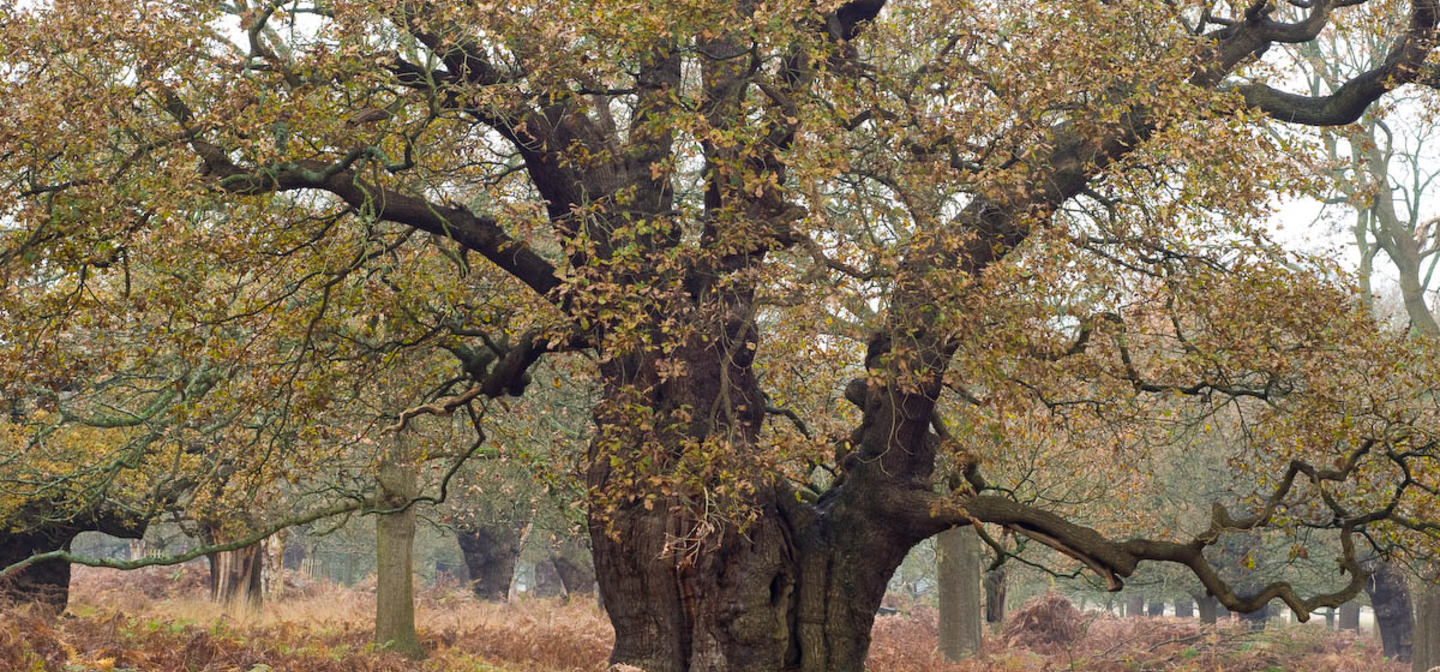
x,y
1134,605
577,572
46,583
958,558
1208,607
547,580
490,553
1425,652
995,596
1390,597
1184,608
1155,608
1350,616
238,576
394,551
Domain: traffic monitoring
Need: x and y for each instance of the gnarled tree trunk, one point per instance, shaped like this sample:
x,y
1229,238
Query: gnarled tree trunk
x,y
576,570
490,553
48,582
1390,597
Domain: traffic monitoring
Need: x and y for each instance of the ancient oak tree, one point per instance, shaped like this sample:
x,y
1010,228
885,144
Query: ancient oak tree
x,y
832,264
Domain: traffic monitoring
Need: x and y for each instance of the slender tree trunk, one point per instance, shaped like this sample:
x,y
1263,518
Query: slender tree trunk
x,y
1330,618
394,548
1134,605
491,552
1207,607
995,596
274,570
1425,652
1394,617
1350,616
959,576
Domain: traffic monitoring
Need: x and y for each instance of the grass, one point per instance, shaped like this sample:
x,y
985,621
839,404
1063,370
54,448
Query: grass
x,y
123,622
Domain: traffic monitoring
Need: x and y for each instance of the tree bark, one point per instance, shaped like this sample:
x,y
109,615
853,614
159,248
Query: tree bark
x,y
1394,618
1425,652
959,577
394,551
995,596
490,553
1208,607
237,577
1350,616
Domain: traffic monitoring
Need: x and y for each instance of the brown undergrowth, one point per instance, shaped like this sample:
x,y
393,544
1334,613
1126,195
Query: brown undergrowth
x,y
161,623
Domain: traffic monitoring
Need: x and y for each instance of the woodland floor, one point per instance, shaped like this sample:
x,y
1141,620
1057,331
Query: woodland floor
x,y
158,621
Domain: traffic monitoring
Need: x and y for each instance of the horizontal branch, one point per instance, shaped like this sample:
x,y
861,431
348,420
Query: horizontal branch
x,y
1348,102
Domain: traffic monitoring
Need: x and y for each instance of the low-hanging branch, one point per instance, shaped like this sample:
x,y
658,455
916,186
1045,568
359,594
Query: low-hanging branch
x,y
1113,560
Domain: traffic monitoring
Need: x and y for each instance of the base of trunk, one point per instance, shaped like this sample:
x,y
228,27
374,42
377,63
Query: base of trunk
x,y
44,583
